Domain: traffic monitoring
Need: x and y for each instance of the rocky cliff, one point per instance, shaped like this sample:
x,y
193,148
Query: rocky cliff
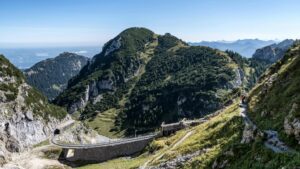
x,y
51,76
274,52
26,117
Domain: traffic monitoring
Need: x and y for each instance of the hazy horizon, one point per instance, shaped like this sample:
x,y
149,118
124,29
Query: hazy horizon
x,y
92,23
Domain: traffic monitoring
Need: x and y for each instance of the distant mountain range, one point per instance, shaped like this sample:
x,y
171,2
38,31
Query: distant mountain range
x,y
245,47
24,58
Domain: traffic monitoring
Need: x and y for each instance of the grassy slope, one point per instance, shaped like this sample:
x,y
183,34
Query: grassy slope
x,y
278,101
217,135
220,135
104,123
211,134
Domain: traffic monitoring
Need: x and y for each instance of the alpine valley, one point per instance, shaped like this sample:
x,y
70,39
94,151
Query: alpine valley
x,y
151,101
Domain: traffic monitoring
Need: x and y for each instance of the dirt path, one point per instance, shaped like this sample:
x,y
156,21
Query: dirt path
x,y
272,141
160,155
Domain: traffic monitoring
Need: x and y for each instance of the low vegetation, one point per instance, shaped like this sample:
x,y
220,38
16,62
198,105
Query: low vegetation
x,y
273,98
150,79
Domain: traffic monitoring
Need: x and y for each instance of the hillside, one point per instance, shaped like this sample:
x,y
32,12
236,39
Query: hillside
x,y
141,79
26,116
51,76
273,52
265,135
275,99
245,47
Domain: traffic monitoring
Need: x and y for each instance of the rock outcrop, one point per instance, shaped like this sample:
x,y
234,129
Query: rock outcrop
x,y
26,117
248,134
292,124
273,52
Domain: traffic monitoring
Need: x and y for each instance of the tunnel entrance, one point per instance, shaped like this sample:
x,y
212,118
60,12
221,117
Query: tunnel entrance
x,y
56,131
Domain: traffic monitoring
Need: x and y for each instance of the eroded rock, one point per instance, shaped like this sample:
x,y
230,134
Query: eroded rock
x,y
292,124
248,134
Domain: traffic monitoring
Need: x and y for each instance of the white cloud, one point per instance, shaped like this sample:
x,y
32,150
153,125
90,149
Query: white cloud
x,y
81,52
41,54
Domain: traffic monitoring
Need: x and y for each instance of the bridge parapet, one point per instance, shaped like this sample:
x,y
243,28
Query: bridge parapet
x,y
93,153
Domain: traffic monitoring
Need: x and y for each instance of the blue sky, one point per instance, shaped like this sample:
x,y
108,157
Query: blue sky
x,y
93,22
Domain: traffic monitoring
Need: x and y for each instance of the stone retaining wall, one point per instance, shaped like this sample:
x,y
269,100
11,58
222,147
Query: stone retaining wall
x,y
104,153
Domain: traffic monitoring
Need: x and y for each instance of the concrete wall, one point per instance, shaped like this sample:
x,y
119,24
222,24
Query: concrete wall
x,y
100,154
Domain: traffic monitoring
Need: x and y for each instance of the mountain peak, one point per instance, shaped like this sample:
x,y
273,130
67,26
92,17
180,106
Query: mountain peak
x,y
51,76
135,30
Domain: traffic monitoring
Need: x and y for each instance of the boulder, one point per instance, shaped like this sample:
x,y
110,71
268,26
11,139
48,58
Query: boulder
x,y
29,115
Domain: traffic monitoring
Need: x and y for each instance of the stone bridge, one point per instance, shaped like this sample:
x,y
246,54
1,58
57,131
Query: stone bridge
x,y
93,153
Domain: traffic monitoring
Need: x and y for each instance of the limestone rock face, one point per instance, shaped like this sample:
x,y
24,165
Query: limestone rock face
x,y
248,134
238,80
3,157
115,45
24,118
269,83
292,124
273,52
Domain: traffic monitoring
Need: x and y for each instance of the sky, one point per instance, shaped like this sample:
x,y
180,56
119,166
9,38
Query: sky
x,y
93,22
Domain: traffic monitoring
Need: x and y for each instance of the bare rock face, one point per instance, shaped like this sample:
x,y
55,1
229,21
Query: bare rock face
x,y
273,52
23,118
248,134
238,80
292,124
2,158
115,45
21,129
269,83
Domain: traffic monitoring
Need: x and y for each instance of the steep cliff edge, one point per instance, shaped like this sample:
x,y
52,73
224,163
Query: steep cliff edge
x,y
26,117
